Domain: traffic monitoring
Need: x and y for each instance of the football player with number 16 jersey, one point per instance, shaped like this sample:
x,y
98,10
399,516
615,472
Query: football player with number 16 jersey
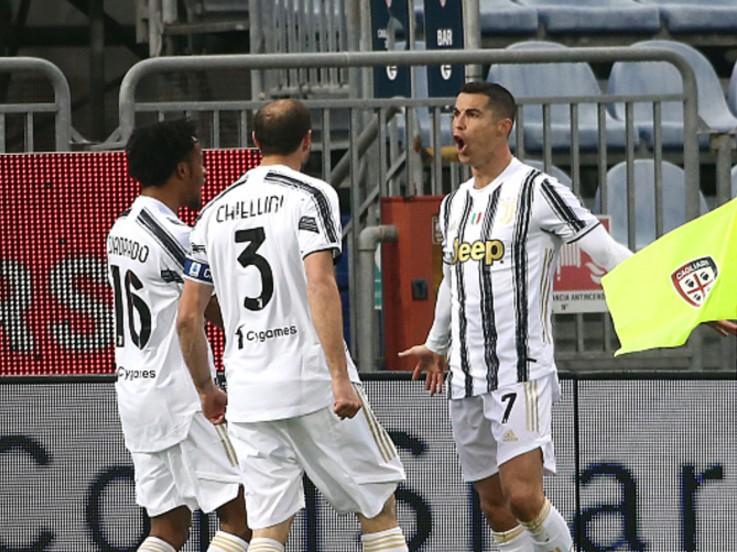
x,y
181,460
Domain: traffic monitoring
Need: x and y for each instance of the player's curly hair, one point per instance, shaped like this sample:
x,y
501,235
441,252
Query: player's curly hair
x,y
154,151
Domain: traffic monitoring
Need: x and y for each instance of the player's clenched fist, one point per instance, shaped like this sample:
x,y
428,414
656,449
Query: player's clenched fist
x,y
346,404
214,401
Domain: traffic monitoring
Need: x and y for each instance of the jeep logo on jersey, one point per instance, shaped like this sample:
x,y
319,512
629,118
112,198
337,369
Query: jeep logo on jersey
x,y
488,251
693,281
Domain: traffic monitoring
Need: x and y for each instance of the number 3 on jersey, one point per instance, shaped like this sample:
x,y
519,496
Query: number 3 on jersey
x,y
255,237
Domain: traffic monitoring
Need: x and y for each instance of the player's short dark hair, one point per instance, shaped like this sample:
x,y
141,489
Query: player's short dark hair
x,y
280,126
154,151
501,100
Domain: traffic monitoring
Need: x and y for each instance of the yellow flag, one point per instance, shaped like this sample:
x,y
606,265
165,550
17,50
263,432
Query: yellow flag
x,y
686,277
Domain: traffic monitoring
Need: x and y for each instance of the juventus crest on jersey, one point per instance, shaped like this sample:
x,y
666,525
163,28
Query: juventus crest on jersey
x,y
156,397
500,247
250,243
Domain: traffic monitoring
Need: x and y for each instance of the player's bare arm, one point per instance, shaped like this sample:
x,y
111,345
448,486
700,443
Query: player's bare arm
x,y
212,312
324,301
191,328
430,363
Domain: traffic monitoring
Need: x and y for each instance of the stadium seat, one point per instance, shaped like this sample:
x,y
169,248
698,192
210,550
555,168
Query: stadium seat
x,y
554,171
689,16
663,78
506,17
496,17
590,16
673,204
560,79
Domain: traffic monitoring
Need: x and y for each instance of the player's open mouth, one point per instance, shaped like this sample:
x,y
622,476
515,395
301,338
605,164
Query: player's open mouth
x,y
460,144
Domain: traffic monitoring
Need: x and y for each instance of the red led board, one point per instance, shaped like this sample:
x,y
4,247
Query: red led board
x,y
55,302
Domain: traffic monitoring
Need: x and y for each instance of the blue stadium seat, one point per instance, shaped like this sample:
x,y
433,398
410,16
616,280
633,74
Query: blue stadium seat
x,y
689,16
554,80
505,17
663,78
673,204
496,17
588,16
554,171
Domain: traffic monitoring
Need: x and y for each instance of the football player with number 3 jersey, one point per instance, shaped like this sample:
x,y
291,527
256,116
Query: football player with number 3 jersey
x,y
181,460
267,244
502,231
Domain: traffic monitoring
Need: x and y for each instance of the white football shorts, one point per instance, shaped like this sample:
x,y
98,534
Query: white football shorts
x,y
199,472
492,428
352,462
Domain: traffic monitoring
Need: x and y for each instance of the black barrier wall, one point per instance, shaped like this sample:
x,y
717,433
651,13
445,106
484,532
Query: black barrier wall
x,y
656,463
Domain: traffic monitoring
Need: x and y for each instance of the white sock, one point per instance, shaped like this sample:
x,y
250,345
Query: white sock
x,y
155,544
391,540
514,540
549,531
227,542
262,544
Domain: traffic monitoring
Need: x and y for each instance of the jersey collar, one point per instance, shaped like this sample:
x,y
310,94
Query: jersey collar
x,y
154,204
498,181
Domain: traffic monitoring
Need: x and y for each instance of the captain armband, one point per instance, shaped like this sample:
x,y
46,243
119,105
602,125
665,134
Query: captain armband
x,y
197,271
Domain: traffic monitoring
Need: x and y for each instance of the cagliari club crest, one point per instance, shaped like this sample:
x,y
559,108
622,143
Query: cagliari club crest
x,y
693,281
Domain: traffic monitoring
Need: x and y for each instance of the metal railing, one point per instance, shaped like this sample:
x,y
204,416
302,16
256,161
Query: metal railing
x,y
301,27
386,163
60,107
376,141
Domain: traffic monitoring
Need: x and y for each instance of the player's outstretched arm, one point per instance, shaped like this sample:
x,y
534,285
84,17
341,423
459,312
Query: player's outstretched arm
x,y
430,363
324,301
431,356
193,341
603,249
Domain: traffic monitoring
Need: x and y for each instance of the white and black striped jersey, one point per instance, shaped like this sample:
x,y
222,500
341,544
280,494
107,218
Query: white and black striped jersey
x,y
146,249
500,248
250,242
